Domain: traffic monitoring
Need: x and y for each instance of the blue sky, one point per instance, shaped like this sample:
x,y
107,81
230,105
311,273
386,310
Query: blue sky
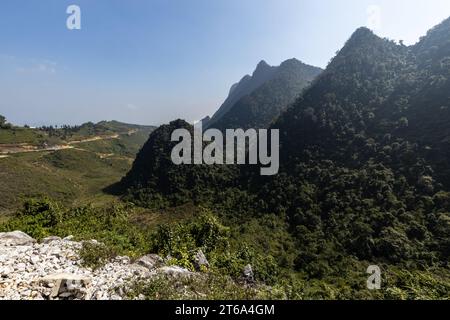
x,y
152,61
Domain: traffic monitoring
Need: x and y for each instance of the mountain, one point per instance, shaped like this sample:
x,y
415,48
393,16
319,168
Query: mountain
x,y
205,121
248,84
256,101
364,170
154,180
364,155
376,89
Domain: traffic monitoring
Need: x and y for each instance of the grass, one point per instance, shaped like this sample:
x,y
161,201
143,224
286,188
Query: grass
x,y
65,175
22,135
72,176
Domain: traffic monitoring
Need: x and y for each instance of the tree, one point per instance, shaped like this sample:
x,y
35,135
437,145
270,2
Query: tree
x,y
2,121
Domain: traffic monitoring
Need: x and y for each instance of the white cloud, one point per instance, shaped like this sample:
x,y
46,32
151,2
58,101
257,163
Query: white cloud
x,y
28,65
132,107
38,67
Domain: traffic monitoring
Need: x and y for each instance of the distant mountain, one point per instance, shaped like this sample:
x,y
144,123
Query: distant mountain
x,y
205,121
247,85
257,100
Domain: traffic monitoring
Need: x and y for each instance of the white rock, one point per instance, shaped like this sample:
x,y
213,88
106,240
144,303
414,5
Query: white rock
x,y
175,271
150,261
15,238
52,270
51,239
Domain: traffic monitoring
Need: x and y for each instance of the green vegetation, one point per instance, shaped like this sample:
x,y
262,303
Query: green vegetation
x,y
95,255
364,178
120,233
53,135
66,175
76,175
210,286
260,107
18,135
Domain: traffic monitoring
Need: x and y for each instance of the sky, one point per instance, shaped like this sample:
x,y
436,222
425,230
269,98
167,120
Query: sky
x,y
153,61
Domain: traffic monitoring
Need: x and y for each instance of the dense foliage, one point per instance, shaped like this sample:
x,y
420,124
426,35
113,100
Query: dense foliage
x,y
119,233
364,173
155,181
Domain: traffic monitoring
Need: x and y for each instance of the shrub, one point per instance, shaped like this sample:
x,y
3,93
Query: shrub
x,y
37,218
95,255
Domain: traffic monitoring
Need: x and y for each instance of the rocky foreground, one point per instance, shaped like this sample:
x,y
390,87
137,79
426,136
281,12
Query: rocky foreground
x,y
52,269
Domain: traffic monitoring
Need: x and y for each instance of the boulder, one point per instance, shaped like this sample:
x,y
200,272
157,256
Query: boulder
x,y
67,286
50,239
175,271
15,238
69,238
150,261
200,260
247,274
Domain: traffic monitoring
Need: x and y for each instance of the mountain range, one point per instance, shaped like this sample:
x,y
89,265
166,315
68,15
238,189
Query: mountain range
x,y
365,172
364,181
259,99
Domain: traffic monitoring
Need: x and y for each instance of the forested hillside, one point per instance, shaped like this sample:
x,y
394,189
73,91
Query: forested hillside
x,y
364,168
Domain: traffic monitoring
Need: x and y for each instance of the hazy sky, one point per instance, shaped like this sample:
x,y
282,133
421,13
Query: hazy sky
x,y
151,61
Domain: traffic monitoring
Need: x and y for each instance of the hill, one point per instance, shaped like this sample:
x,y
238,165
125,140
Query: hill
x,y
361,156
364,167
155,181
245,86
72,165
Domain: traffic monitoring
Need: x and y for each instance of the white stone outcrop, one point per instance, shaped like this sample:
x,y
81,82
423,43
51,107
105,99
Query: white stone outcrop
x,y
52,270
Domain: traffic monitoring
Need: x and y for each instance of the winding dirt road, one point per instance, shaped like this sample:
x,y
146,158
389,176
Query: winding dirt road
x,y
8,149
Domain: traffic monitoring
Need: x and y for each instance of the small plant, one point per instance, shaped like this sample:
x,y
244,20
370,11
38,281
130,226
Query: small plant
x,y
95,255
211,286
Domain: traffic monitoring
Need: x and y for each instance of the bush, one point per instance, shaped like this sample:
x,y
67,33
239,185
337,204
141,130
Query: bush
x,y
38,218
212,286
182,241
95,255
110,225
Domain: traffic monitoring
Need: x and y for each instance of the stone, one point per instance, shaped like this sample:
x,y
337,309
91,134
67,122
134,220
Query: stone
x,y
200,261
67,285
150,261
6,271
20,267
175,271
34,259
52,269
50,239
15,238
123,260
68,238
248,275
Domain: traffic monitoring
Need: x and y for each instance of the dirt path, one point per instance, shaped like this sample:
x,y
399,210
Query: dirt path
x,y
96,138
7,149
